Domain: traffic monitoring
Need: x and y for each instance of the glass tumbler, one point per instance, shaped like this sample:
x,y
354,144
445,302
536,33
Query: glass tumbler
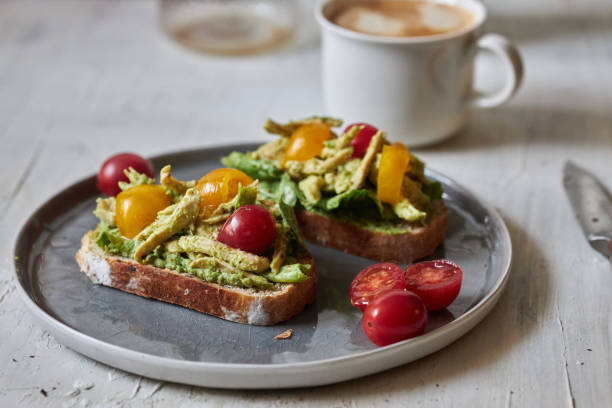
x,y
228,26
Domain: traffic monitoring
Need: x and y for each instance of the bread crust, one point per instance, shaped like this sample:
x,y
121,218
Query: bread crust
x,y
405,247
249,306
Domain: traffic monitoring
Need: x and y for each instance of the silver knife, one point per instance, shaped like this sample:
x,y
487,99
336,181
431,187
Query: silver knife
x,y
592,205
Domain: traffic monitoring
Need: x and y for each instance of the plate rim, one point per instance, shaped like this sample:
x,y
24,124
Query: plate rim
x,y
89,345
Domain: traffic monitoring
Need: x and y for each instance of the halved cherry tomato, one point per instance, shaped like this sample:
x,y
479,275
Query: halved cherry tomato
x,y
374,280
218,187
437,282
394,316
111,171
306,142
250,228
138,206
362,139
394,162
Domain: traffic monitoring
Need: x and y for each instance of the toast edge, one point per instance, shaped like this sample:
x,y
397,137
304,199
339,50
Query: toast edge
x,y
383,247
247,306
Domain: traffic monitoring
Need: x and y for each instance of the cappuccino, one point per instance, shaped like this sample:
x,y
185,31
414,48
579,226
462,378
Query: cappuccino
x,y
396,18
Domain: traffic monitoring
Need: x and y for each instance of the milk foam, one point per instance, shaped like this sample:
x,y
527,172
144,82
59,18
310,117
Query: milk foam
x,y
402,18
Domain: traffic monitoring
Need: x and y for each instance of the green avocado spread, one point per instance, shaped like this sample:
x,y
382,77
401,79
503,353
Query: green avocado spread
x,y
180,239
336,184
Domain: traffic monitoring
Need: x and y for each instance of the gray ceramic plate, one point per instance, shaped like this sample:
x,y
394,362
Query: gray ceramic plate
x,y
172,343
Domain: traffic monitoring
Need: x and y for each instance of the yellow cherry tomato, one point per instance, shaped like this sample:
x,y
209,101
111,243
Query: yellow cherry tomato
x,y
394,163
218,187
137,207
306,142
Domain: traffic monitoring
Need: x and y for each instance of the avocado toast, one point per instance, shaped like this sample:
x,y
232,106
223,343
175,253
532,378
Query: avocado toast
x,y
354,191
177,256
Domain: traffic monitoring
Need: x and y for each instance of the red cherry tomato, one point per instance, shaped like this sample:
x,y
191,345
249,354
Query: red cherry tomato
x,y
362,140
436,282
394,316
111,171
251,228
374,280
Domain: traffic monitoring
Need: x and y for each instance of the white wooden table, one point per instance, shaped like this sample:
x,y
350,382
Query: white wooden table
x,y
82,79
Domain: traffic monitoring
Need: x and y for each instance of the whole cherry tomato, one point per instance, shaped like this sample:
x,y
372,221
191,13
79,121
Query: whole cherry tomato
x,y
138,206
437,282
220,186
306,142
250,228
111,171
394,316
362,139
374,280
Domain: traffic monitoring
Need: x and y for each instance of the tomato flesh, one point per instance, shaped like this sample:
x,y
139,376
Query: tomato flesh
x,y
362,139
218,187
437,282
394,162
394,316
250,228
137,207
111,171
374,280
306,142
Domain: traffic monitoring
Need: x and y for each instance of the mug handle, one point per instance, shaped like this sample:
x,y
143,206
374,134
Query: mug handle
x,y
513,64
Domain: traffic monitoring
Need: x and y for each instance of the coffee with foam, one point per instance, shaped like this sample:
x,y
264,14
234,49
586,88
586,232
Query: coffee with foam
x,y
402,18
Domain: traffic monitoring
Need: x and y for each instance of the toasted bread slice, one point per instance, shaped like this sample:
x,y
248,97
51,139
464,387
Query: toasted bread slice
x,y
403,247
251,306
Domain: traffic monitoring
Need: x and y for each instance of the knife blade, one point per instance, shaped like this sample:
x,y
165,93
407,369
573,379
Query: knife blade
x,y
592,205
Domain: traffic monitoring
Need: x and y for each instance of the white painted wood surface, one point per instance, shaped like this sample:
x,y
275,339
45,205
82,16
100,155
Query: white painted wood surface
x,y
80,80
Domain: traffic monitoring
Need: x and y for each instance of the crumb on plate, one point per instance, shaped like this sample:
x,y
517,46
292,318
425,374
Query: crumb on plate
x,y
284,335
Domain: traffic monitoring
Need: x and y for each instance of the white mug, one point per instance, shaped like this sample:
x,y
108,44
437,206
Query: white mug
x,y
418,89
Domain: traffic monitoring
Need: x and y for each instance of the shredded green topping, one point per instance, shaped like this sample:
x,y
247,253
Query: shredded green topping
x,y
180,240
135,179
334,183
